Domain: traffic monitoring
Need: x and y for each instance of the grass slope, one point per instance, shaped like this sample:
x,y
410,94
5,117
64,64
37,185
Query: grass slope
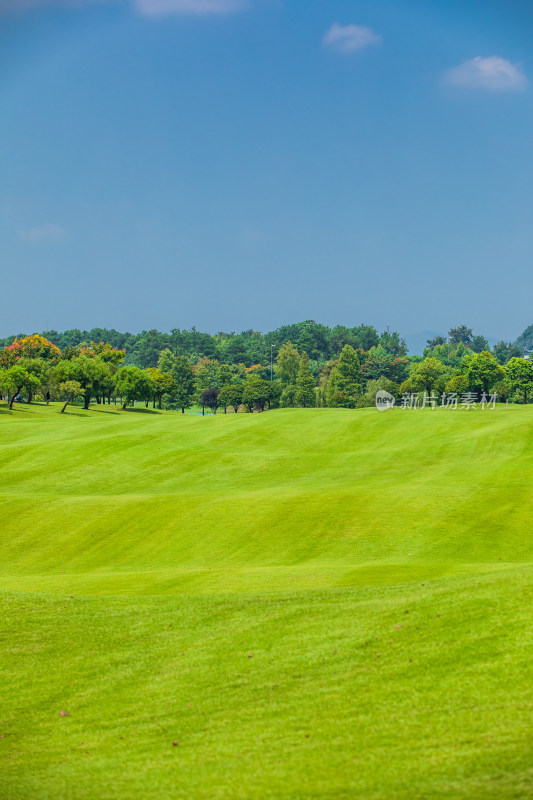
x,y
313,603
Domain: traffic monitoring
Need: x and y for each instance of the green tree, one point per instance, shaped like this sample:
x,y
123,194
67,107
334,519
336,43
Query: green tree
x,y
224,375
379,363
436,342
460,334
133,384
16,379
287,364
502,389
230,395
479,344
520,375
504,351
484,371
40,368
344,385
393,343
183,395
382,383
205,374
256,393
71,389
90,372
457,384
426,374
305,383
288,396
165,361
163,383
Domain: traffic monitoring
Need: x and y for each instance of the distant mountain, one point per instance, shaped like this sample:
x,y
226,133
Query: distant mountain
x,y
525,340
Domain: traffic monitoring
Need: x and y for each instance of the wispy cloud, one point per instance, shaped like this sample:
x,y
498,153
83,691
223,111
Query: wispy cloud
x,y
50,232
350,38
152,8
493,73
199,8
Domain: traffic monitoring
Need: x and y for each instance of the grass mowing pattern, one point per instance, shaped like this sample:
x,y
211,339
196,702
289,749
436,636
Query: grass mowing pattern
x,y
313,603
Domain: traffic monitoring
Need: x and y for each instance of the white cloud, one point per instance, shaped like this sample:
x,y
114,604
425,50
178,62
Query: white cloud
x,y
50,232
493,73
349,38
197,8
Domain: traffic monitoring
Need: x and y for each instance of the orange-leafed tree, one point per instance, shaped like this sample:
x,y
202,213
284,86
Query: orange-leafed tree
x,y
34,346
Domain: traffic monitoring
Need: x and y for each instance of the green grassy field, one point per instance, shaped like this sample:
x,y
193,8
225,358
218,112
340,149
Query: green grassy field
x,y
311,603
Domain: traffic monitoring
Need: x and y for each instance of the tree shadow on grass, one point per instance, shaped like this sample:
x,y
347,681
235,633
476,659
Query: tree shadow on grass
x,y
78,411
142,410
4,408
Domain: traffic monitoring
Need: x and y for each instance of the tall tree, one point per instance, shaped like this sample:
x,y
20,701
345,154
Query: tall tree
x,y
344,385
224,376
166,360
479,344
183,394
287,364
305,383
484,371
460,334
436,342
520,376
393,343
504,351
206,374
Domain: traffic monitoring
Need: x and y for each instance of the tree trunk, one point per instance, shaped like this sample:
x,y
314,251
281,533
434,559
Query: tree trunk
x,y
13,398
86,401
30,397
182,410
160,399
66,404
124,405
146,403
153,404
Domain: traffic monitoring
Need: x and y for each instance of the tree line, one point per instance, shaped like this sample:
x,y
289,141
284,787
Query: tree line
x,y
99,372
250,347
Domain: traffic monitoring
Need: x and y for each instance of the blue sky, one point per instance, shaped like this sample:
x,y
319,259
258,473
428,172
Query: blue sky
x,y
228,164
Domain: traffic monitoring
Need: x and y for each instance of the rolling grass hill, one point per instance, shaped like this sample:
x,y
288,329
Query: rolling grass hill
x,y
311,603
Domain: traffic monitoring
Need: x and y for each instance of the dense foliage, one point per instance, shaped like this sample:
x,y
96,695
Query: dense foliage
x,y
306,364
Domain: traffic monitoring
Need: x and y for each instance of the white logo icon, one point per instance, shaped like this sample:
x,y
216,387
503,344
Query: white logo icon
x,y
384,400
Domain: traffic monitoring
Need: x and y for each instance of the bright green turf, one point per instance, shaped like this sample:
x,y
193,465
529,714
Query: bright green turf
x,y
314,603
